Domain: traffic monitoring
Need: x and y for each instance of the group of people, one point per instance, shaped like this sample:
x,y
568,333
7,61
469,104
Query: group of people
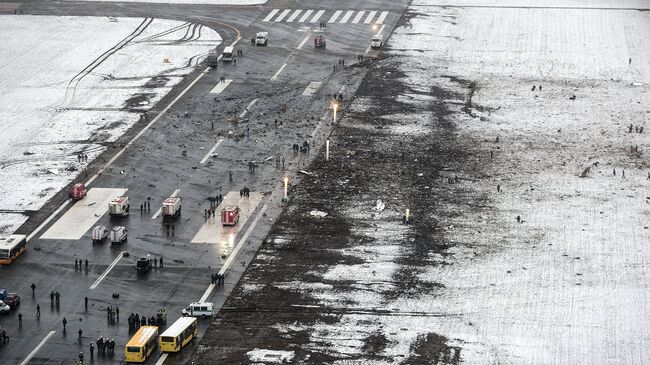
x,y
78,263
3,337
103,346
54,297
636,128
252,166
81,157
303,149
217,279
215,200
113,313
245,192
145,207
135,321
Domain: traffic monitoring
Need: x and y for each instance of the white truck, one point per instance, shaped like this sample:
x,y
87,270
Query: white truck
x,y
377,41
227,54
199,309
119,207
262,39
118,234
99,234
171,208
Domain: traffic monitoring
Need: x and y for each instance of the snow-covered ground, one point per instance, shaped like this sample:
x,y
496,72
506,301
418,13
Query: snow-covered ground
x,y
67,87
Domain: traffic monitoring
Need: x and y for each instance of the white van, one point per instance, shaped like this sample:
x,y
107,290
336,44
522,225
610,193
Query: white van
x,y
199,309
377,41
227,54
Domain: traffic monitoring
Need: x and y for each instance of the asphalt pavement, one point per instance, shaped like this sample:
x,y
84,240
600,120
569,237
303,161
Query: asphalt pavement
x,y
262,111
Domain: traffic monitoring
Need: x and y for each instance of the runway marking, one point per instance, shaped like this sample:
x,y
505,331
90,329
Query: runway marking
x,y
382,17
358,17
335,16
278,73
370,16
271,15
312,88
155,215
305,16
221,86
379,32
232,256
317,16
162,358
282,15
220,141
83,214
38,347
304,41
232,44
213,230
56,212
108,269
248,108
347,16
294,15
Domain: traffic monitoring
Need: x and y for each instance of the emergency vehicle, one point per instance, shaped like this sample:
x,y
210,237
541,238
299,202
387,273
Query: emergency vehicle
x,y
99,234
262,39
77,191
230,215
118,234
119,207
171,208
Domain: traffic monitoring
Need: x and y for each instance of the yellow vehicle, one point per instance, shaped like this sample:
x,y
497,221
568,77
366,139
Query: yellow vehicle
x,y
11,247
141,344
179,334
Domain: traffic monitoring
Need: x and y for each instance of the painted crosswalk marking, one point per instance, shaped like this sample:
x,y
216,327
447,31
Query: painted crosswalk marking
x,y
317,16
382,17
305,16
221,86
347,16
271,15
358,17
370,16
282,15
335,16
294,16
312,88
338,16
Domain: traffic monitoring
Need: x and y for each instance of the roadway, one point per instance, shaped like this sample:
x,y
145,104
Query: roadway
x,y
279,95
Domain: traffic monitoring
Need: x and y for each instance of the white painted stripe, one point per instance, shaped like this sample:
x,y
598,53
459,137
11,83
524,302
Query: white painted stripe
x,y
303,42
221,86
379,32
282,15
248,107
110,267
305,16
271,15
233,44
207,293
162,358
358,17
38,347
160,209
39,228
317,16
220,141
278,73
370,16
347,16
382,17
335,16
294,15
312,88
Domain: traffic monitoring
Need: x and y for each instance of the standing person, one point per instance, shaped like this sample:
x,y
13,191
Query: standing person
x,y
56,297
38,311
65,322
52,297
117,312
161,262
92,349
76,265
33,286
20,319
80,334
86,264
155,262
86,302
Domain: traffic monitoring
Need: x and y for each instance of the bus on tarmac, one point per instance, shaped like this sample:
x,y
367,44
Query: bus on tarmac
x,y
179,334
11,247
141,344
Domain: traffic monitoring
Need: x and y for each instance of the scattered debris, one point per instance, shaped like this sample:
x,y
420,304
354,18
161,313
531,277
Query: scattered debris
x,y
317,213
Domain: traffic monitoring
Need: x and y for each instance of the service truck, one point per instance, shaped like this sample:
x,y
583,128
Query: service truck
x,y
99,234
227,54
213,58
144,265
230,215
118,234
77,191
119,207
171,208
262,39
377,41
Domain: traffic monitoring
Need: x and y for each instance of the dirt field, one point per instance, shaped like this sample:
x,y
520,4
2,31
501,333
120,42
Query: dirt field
x,y
529,207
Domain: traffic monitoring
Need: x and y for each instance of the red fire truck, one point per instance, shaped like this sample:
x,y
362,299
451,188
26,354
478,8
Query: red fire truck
x,y
230,215
77,191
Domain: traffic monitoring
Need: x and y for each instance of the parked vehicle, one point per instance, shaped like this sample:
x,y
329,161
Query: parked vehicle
x,y
230,215
119,207
319,42
144,265
262,39
99,234
78,191
377,41
11,247
171,208
4,308
199,309
227,54
213,58
118,234
12,300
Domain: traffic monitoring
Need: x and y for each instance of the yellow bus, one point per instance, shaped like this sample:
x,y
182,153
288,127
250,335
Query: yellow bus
x,y
179,334
141,344
11,247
